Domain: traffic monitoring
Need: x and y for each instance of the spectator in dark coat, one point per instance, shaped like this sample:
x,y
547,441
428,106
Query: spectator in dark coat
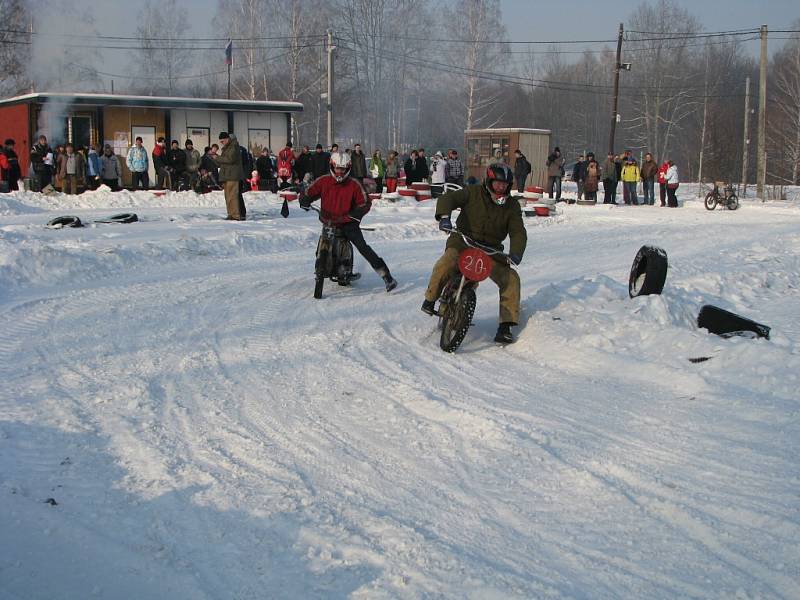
x,y
359,163
522,169
176,159
266,173
411,167
42,172
320,162
302,164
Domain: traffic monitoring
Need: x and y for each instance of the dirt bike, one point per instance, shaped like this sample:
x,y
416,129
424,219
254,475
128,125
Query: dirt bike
x,y
724,195
457,301
334,256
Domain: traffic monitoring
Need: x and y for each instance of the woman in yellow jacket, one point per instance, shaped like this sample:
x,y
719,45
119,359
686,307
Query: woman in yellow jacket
x,y
630,177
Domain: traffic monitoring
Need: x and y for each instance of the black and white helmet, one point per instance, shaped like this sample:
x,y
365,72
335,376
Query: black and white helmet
x,y
499,172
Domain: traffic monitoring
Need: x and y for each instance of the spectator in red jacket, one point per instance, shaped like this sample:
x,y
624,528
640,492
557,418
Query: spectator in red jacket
x,y
662,182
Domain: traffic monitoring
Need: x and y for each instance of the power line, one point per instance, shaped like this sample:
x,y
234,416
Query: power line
x,y
514,80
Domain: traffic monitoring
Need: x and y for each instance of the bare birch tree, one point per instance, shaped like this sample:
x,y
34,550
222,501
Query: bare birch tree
x,y
166,54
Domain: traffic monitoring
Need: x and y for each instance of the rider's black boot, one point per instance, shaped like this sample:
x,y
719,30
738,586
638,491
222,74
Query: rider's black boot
x,y
390,281
429,307
504,334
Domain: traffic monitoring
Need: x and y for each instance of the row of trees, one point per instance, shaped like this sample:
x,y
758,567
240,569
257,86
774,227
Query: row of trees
x,y
412,72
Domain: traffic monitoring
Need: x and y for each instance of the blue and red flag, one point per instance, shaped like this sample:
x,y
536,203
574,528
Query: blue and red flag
x,y
229,53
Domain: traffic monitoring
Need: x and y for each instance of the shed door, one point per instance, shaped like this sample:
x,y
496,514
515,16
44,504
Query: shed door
x,y
148,135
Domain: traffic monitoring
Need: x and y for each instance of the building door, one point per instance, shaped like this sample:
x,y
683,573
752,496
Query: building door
x,y
148,135
80,131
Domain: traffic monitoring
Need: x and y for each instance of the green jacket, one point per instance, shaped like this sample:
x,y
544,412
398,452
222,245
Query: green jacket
x,y
483,220
230,161
376,161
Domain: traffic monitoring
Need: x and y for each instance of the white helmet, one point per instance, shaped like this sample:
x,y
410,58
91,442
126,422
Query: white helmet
x,y
340,160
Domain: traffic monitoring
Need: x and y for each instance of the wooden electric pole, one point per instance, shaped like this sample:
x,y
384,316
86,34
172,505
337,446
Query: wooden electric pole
x,y
329,95
761,158
614,114
746,145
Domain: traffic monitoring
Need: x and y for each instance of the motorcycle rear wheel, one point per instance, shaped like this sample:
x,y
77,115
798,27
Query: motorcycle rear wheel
x,y
733,202
457,319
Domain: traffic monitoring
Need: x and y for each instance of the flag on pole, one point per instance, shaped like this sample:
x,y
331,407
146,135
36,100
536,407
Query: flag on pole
x,y
229,53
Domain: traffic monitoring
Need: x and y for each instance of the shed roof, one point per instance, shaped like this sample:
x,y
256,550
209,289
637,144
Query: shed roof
x,y
153,102
507,130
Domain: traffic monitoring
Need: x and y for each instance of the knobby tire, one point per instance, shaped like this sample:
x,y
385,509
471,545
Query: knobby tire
x,y
457,319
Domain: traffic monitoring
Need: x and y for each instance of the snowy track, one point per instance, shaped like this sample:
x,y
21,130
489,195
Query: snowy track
x,y
209,430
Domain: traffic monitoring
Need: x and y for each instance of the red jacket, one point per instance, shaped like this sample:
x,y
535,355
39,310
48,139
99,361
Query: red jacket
x,y
662,173
5,166
340,201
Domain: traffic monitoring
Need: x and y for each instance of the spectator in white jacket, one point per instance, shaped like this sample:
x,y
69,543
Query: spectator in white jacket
x,y
672,184
438,174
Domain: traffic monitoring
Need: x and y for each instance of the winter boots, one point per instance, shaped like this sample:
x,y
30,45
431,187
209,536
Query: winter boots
x,y
390,281
429,307
503,335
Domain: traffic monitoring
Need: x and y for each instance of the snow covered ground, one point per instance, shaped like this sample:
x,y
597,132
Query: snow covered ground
x,y
207,430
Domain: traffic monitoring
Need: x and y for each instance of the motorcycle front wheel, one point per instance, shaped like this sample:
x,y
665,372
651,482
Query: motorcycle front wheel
x,y
457,319
711,201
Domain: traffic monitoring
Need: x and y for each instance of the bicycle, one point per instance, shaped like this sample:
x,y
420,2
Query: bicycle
x,y
458,300
727,197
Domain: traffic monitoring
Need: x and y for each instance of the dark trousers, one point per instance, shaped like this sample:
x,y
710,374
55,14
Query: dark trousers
x,y
521,183
353,233
610,190
554,186
662,193
162,177
630,190
649,191
112,183
672,201
42,177
141,180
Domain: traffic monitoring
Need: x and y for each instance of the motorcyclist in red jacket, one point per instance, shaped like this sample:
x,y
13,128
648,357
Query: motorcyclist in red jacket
x,y
344,203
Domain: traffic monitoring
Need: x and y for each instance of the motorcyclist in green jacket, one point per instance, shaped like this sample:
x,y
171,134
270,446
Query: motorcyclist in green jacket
x,y
487,216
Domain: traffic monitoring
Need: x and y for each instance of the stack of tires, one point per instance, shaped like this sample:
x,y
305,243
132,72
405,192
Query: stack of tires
x,y
535,203
422,191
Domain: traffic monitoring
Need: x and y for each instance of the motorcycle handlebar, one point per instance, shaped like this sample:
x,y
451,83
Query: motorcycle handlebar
x,y
475,244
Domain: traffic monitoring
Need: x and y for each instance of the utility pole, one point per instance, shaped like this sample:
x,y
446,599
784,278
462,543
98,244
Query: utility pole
x,y
761,162
703,133
746,145
614,114
329,95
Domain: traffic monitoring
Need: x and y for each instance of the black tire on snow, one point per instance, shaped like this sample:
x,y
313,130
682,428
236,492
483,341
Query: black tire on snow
x,y
733,202
319,272
124,218
457,321
649,272
60,222
726,324
711,201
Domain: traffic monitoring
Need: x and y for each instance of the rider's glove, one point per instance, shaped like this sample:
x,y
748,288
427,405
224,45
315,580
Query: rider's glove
x,y
305,202
445,224
515,258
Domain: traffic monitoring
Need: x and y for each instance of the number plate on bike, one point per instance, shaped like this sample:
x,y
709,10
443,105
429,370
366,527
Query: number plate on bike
x,y
474,264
